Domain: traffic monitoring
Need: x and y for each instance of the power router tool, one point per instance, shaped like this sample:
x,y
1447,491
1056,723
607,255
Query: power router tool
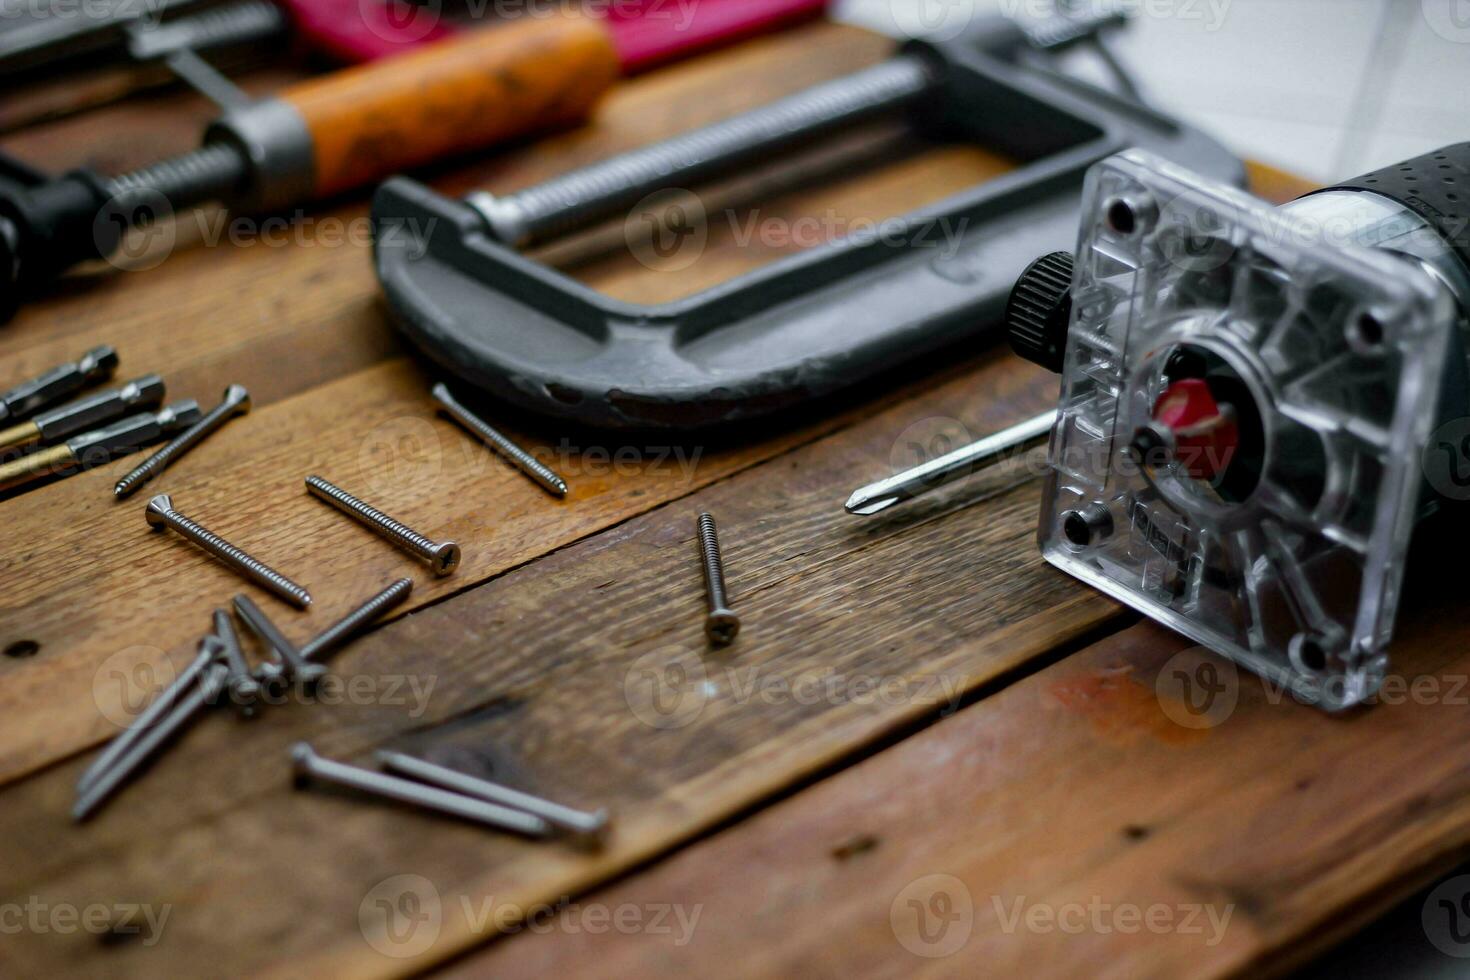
x,y
809,324
1257,407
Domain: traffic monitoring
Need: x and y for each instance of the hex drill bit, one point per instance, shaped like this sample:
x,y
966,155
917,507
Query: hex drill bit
x,y
236,401
88,413
150,715
588,827
307,765
95,448
522,460
29,397
161,514
185,710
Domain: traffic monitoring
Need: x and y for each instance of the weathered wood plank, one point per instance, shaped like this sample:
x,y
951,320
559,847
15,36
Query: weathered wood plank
x,y
547,675
1076,789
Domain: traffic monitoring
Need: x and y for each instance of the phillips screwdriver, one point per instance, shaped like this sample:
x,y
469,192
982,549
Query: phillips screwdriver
x,y
343,130
29,397
96,448
880,496
88,413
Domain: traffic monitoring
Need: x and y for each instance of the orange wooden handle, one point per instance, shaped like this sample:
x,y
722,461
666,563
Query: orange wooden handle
x,y
453,96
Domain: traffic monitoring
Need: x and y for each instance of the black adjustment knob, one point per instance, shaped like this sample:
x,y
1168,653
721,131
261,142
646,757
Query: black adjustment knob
x,y
1039,310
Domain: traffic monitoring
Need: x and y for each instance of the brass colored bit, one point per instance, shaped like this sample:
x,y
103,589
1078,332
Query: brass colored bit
x,y
96,448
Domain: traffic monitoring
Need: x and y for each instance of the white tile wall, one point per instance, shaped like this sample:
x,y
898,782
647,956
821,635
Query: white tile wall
x,y
1325,88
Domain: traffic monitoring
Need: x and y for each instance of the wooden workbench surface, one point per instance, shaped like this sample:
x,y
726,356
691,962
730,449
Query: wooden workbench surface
x,y
923,734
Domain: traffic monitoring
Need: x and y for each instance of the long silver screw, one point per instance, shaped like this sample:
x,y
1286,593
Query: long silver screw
x,y
236,401
161,514
333,636
308,765
293,665
150,715
442,556
330,638
590,827
244,688
522,460
721,624
186,710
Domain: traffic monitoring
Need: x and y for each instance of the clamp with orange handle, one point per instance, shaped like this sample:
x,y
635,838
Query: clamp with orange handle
x,y
350,128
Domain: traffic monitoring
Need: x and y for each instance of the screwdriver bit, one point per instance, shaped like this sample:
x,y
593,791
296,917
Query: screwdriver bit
x,y
96,448
89,412
29,397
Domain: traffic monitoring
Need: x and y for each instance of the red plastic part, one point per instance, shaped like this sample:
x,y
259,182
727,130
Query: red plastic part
x,y
1206,436
650,32
645,32
364,30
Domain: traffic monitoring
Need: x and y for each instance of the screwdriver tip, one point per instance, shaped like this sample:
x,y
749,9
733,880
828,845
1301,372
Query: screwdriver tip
x,y
863,504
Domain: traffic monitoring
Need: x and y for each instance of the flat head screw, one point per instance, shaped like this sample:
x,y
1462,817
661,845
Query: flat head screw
x,y
543,475
244,688
293,665
442,556
161,514
236,401
720,624
307,766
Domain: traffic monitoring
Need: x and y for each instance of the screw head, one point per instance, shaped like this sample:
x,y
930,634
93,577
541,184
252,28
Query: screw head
x,y
722,626
158,508
446,558
302,756
238,398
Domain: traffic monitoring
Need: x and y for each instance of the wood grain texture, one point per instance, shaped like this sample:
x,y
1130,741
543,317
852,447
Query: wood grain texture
x,y
1077,789
306,335
583,675
577,669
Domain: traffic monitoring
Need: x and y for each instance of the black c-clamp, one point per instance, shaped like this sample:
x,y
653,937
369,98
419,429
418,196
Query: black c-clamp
x,y
802,327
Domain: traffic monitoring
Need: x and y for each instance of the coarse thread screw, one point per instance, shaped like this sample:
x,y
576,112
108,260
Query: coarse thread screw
x,y
721,623
293,666
213,172
442,556
236,401
333,635
161,514
524,461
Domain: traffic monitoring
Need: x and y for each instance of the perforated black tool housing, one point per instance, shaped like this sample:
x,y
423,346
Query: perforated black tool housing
x,y
803,327
1435,186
